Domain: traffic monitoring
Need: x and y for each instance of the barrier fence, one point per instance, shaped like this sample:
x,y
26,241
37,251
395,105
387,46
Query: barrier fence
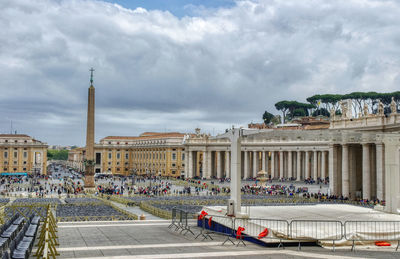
x,y
372,231
321,230
48,239
257,229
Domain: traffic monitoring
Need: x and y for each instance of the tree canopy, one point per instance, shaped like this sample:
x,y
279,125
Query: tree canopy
x,y
53,154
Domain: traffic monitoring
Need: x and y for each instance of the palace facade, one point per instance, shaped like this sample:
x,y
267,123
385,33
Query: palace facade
x,y
150,153
21,153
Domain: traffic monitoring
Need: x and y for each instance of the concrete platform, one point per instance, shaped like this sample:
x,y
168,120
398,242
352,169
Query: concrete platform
x,y
341,212
153,239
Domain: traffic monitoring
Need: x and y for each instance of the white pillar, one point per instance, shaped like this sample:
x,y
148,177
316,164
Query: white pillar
x,y
323,165
280,164
255,163
315,165
380,172
273,165
219,165
366,173
345,171
298,166
209,162
263,161
190,164
246,165
307,161
332,169
186,164
290,165
227,163
205,165
236,170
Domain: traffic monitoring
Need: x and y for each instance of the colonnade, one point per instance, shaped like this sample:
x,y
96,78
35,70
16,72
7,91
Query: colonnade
x,y
278,164
353,170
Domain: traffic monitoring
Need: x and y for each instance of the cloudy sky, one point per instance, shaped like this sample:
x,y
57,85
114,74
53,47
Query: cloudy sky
x,y
174,65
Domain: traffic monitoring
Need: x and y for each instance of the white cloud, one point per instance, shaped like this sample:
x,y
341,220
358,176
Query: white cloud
x,y
222,67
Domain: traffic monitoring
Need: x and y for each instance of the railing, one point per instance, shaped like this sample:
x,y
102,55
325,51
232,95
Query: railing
x,y
319,230
48,239
372,231
296,230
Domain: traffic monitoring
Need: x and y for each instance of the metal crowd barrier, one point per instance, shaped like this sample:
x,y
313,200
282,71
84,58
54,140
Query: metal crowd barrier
x,y
180,220
272,228
296,230
318,230
372,231
220,225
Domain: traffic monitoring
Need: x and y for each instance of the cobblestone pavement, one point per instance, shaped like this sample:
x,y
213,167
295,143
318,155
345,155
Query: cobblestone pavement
x,y
153,239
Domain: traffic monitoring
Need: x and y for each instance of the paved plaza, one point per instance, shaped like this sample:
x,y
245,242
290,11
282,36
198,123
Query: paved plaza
x,y
153,239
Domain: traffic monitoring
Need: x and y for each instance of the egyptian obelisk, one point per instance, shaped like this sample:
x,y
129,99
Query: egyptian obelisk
x,y
89,161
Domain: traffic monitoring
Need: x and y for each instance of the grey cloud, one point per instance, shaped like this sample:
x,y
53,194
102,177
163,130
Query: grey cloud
x,y
155,71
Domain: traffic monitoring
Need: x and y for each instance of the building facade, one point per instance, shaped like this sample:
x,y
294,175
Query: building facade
x,y
359,156
21,153
150,153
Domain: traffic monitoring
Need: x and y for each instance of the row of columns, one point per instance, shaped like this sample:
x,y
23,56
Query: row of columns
x,y
298,165
354,170
357,170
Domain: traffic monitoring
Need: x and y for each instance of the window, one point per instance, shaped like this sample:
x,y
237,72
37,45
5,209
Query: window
x,y
117,163
173,172
109,163
126,155
24,169
15,162
15,154
5,154
109,142
118,169
173,156
173,165
16,141
109,169
24,162
25,154
109,155
118,155
5,168
183,156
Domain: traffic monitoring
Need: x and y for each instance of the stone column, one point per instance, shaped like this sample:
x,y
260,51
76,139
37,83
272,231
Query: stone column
x,y
298,166
227,163
186,164
263,161
246,165
190,164
280,164
290,165
366,173
323,165
345,171
307,163
255,163
205,165
380,172
273,165
209,164
219,167
332,169
315,165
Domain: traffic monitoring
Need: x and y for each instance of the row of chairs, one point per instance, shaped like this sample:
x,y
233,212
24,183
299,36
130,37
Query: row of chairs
x,y
21,245
9,230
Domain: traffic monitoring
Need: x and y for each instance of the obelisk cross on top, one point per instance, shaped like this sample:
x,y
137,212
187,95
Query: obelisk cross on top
x,y
90,158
